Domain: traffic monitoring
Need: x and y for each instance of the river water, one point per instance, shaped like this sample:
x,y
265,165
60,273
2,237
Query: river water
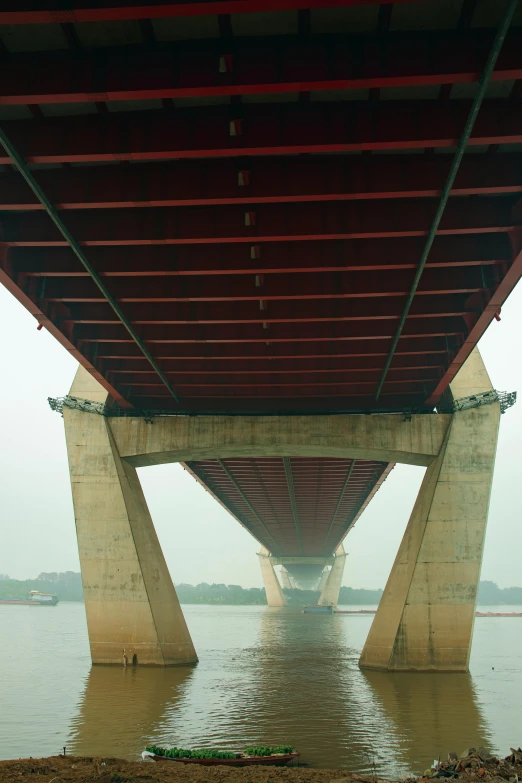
x,y
265,676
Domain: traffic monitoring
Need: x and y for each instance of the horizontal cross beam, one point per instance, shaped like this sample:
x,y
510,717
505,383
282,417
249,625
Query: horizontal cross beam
x,y
261,181
253,66
275,258
262,223
268,129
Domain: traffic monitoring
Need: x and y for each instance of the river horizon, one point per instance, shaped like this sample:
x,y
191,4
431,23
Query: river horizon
x,y
265,676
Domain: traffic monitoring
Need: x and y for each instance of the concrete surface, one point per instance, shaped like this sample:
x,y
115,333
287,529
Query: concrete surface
x,y
426,614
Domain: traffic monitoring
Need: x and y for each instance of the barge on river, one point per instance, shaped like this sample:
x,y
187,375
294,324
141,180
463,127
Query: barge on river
x,y
36,599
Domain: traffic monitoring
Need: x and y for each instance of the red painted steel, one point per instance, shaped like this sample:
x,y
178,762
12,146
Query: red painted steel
x,y
271,180
320,257
269,129
52,12
263,275
318,485
259,66
273,223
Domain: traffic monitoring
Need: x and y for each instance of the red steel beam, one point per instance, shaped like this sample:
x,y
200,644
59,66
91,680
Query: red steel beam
x,y
272,180
342,285
251,333
458,250
63,336
270,129
258,352
282,378
293,365
53,12
279,311
263,223
505,287
257,66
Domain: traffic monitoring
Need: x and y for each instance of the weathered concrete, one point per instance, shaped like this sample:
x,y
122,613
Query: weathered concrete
x,y
425,617
386,438
133,613
274,593
322,580
285,578
330,592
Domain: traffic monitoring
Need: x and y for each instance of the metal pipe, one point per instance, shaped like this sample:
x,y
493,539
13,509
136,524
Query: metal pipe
x,y
444,196
21,166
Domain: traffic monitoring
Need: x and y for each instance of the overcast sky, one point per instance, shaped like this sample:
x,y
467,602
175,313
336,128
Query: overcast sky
x,y
201,542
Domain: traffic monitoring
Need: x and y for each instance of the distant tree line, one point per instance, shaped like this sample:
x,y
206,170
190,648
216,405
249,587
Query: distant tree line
x,y
490,594
68,587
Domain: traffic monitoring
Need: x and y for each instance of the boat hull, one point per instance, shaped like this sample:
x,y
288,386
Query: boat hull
x,y
246,761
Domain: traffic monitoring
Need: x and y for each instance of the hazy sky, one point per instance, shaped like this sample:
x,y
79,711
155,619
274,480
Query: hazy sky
x,y
200,540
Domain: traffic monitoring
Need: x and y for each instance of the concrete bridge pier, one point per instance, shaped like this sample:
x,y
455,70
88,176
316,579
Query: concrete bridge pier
x,y
133,612
426,614
332,586
274,592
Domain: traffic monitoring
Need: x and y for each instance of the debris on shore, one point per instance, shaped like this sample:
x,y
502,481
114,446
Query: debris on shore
x,y
478,763
472,766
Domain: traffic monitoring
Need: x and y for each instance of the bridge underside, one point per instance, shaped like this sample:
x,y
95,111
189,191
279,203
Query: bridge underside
x,y
221,208
255,190
299,506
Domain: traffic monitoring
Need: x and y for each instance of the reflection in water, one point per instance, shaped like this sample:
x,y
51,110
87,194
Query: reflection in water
x,y
429,712
121,708
265,676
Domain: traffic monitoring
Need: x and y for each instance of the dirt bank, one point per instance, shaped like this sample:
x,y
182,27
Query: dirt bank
x,y
473,766
109,770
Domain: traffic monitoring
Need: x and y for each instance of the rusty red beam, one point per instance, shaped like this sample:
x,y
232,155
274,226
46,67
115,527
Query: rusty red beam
x,y
272,180
63,336
53,12
292,365
120,352
252,333
261,223
458,250
232,131
279,311
281,378
254,67
492,311
342,285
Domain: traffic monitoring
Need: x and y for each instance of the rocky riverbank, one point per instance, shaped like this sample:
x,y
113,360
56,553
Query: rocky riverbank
x,y
472,766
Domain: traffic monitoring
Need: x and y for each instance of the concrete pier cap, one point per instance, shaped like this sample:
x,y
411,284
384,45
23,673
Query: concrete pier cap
x,y
425,619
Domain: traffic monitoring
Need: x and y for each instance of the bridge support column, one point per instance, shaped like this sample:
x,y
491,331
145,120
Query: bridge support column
x,y
285,578
330,591
133,613
426,614
322,580
274,593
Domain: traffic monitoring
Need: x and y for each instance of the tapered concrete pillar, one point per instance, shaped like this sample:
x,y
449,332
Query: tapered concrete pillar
x,y
322,580
133,613
285,578
274,593
426,614
330,592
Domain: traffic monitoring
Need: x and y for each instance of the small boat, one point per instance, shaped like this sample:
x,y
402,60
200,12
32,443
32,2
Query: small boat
x,y
316,609
275,760
37,599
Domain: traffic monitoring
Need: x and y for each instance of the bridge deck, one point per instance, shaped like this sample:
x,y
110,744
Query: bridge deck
x,y
254,181
255,190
